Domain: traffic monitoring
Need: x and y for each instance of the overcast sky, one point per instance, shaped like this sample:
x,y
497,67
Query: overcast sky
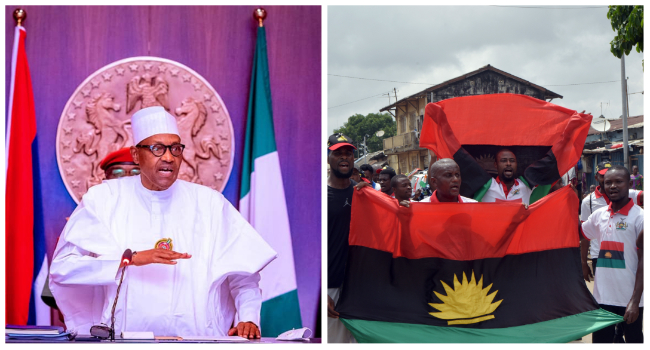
x,y
546,46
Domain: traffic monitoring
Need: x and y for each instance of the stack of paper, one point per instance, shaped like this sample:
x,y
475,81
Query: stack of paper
x,y
36,333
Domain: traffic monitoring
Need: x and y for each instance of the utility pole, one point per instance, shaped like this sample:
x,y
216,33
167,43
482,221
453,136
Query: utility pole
x,y
365,150
624,102
395,90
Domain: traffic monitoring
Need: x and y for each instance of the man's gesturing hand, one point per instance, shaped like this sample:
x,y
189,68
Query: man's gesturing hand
x,y
245,330
157,256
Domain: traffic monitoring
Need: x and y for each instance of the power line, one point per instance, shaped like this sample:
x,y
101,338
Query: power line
x,y
357,100
391,81
553,8
406,82
598,82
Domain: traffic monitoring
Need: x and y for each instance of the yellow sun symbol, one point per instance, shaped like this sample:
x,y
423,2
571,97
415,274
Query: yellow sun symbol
x,y
467,303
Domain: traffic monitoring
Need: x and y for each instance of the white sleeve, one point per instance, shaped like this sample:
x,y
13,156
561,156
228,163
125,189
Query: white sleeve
x,y
239,253
634,194
590,229
585,211
73,265
86,253
639,224
247,295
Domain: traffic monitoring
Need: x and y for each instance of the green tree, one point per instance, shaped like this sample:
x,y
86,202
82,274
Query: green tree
x,y
627,22
359,125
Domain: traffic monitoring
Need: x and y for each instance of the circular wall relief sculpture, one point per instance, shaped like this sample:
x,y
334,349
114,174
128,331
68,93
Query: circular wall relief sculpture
x,y
96,120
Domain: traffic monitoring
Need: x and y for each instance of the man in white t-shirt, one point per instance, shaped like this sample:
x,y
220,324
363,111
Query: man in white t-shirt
x,y
594,201
618,286
507,186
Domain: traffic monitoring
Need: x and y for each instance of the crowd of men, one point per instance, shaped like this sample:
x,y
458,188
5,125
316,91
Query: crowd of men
x,y
611,213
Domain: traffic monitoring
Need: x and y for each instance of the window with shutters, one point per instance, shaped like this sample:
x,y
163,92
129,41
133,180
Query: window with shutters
x,y
412,125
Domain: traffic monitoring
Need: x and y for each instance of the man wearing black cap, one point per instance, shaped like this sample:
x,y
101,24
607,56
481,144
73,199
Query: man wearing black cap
x,y
594,201
340,188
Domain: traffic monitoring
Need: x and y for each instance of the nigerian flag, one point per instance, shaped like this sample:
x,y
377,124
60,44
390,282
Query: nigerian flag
x,y
262,202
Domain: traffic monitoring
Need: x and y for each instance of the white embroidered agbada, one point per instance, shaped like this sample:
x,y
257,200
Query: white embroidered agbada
x,y
203,295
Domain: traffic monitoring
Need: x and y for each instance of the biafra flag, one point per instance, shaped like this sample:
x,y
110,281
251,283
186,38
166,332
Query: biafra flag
x,y
467,273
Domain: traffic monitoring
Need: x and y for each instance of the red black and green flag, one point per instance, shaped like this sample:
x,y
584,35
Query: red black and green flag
x,y
467,273
611,255
551,135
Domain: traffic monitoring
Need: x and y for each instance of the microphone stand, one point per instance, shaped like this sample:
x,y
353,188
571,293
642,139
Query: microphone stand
x,y
115,304
104,332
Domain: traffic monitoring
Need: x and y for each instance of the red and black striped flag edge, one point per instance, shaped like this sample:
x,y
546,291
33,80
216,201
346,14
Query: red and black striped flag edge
x,y
507,120
467,273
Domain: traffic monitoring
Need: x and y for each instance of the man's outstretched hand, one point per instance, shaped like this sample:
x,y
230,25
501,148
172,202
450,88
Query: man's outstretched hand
x,y
361,185
246,330
157,256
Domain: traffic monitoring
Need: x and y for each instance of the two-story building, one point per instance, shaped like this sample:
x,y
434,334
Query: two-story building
x,y
403,150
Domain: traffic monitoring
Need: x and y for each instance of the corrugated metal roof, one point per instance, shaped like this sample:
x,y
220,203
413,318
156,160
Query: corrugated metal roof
x,y
636,143
617,124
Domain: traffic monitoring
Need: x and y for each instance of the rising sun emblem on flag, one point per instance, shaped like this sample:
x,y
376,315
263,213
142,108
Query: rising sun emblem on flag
x,y
466,303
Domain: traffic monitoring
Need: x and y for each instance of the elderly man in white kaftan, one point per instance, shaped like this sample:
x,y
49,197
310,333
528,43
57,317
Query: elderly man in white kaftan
x,y
212,287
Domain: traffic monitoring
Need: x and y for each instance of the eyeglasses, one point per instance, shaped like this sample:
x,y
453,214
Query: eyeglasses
x,y
119,172
159,149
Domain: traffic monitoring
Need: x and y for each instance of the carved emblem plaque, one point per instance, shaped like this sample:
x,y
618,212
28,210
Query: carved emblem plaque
x,y
96,120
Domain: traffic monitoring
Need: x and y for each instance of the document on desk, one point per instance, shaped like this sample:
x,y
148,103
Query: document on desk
x,y
227,339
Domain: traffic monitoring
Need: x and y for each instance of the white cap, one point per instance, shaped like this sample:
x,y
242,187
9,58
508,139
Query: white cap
x,y
152,121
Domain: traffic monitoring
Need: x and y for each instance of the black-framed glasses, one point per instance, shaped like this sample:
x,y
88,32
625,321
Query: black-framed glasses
x,y
159,149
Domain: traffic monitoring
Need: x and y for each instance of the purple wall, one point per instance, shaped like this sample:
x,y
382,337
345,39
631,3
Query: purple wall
x,y
66,44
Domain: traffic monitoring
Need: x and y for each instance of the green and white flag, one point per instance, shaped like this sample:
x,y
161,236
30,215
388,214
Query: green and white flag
x,y
262,202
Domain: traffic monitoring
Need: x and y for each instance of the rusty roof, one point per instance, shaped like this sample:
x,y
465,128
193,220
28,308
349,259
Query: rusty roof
x,y
617,124
548,93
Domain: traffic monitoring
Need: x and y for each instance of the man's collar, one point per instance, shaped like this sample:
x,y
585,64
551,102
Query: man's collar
x,y
600,194
434,198
623,211
498,180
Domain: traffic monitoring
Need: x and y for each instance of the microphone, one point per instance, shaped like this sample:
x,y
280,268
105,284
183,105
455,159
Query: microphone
x,y
126,257
104,332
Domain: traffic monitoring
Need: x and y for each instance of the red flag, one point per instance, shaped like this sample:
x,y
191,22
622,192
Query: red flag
x,y
19,201
464,231
505,120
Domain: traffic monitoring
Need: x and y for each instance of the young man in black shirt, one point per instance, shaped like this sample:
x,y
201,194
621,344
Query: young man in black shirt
x,y
339,209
